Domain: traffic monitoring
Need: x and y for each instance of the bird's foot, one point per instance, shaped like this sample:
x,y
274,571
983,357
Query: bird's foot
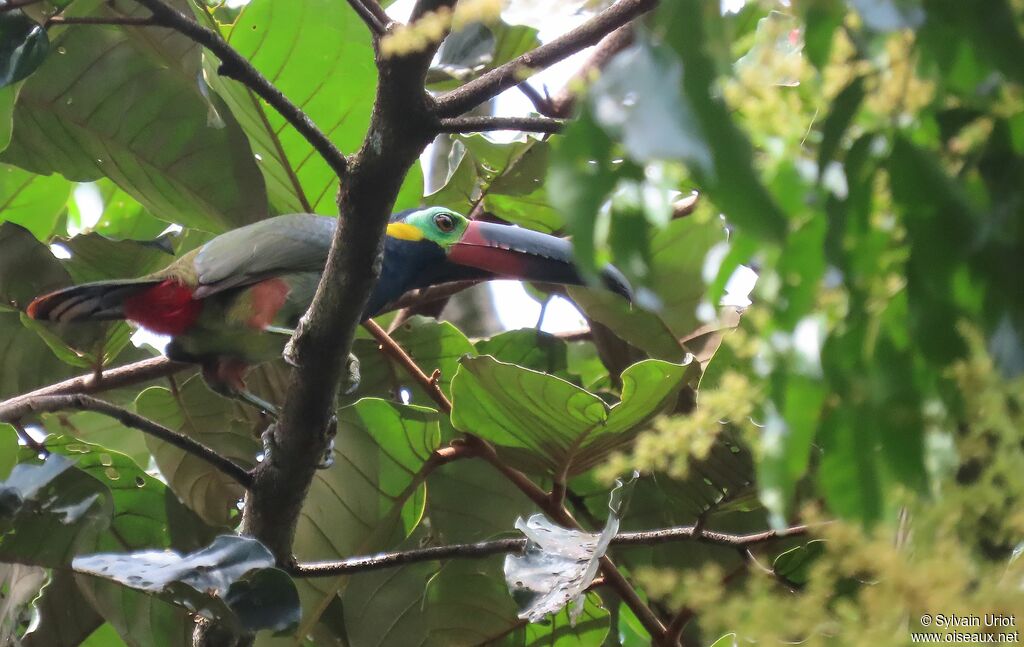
x,y
327,459
268,442
350,380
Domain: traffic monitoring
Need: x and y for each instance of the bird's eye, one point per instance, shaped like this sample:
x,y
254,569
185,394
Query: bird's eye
x,y
444,222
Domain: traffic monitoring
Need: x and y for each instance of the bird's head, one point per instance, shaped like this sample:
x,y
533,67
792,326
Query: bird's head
x,y
436,245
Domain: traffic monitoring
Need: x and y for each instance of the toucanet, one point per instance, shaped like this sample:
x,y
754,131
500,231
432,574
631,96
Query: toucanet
x,y
231,303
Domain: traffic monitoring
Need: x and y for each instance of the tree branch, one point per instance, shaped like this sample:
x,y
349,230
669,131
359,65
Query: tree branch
x,y
130,21
14,411
512,73
487,123
115,378
513,545
373,15
237,67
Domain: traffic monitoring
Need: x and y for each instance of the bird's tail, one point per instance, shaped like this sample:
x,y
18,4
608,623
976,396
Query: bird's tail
x,y
102,300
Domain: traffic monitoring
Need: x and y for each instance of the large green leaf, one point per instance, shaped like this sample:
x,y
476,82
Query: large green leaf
x,y
165,140
218,423
32,201
546,423
458,602
318,53
371,497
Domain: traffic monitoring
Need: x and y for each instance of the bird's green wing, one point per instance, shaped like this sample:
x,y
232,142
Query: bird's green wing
x,y
272,247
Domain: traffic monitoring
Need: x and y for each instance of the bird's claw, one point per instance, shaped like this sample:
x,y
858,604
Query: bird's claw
x,y
268,442
352,377
327,459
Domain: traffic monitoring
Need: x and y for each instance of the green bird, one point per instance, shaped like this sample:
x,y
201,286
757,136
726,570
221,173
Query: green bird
x,y
233,302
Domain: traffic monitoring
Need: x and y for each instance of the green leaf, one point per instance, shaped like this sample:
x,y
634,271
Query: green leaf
x,y
8,449
849,475
730,180
49,512
318,53
20,347
581,168
218,423
545,423
167,141
590,629
786,443
23,46
32,201
844,108
822,18
232,580
65,616
20,585
795,564
7,97
373,495
528,348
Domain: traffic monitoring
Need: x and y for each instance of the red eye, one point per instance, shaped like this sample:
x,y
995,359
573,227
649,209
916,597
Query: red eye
x,y
444,222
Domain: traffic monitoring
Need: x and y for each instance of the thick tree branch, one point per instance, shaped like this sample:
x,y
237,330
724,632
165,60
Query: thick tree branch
x,y
401,126
237,67
510,74
13,412
372,14
487,123
499,546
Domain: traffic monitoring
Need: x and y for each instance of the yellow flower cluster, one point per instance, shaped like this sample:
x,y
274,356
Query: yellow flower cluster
x,y
432,27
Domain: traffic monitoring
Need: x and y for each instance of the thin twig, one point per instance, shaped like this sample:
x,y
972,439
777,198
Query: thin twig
x,y
376,22
131,21
30,442
488,123
396,352
237,67
500,546
506,76
46,403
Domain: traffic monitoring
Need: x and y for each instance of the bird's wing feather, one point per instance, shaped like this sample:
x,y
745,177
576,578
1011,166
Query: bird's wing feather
x,y
281,245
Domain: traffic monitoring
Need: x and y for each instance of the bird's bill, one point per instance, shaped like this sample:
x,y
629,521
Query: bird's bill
x,y
505,251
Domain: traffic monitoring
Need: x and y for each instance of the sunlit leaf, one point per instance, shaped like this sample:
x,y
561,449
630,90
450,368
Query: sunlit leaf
x,y
174,148
546,423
